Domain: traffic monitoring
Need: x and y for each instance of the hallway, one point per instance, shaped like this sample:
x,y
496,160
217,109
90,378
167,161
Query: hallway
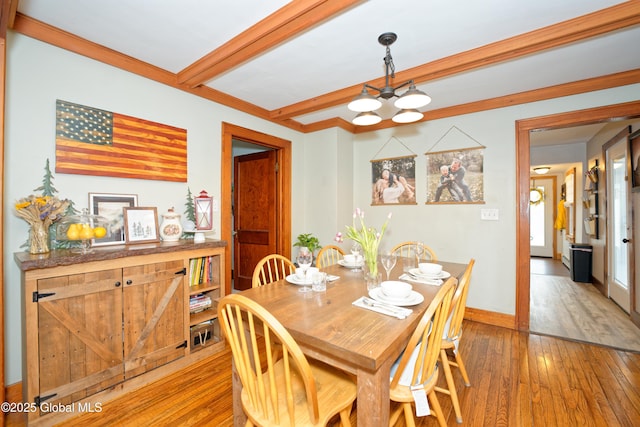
x,y
578,311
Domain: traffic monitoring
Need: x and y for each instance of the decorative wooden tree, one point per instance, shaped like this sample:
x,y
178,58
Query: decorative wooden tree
x,y
47,189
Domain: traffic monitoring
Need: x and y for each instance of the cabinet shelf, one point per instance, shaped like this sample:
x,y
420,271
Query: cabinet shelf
x,y
202,288
203,316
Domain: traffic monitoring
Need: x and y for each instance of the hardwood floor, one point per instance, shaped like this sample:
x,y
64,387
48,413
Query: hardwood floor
x,y
578,311
518,379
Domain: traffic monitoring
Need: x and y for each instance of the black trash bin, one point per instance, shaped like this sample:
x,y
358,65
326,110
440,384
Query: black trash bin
x,y
581,262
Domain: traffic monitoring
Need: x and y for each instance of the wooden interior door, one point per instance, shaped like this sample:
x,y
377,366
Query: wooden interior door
x,y
255,213
154,316
80,337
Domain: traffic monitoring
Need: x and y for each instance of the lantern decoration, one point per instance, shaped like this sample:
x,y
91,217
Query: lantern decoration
x,y
203,207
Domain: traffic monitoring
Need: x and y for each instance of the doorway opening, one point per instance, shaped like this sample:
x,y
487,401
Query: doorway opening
x,y
282,150
630,110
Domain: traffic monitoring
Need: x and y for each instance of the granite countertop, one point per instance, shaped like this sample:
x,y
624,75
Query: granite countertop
x,y
60,257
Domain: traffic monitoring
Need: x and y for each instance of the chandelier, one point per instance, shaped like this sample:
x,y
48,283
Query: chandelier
x,y
365,104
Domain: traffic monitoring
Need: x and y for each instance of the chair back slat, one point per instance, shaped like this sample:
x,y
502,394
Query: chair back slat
x,y
459,304
252,333
329,255
270,269
407,249
427,338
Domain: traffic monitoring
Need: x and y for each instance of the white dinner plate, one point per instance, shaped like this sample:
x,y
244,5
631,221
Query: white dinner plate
x,y
443,274
292,278
414,298
347,265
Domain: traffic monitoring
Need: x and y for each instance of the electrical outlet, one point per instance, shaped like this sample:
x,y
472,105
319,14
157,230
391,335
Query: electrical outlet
x,y
489,214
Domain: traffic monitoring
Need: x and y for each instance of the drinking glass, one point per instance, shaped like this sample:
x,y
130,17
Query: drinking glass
x,y
304,262
388,262
319,280
356,252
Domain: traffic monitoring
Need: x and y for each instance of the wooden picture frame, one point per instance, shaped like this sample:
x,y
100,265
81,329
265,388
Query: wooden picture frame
x,y
455,176
141,225
111,207
393,181
634,153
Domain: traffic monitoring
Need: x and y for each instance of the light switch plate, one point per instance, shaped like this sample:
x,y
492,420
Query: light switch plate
x,y
489,214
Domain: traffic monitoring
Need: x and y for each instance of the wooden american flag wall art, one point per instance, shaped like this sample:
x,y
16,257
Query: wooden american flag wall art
x,y
90,141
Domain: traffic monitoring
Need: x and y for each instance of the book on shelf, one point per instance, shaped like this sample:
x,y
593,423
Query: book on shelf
x,y
199,302
200,270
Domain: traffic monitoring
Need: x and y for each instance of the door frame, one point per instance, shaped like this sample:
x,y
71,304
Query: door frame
x,y
283,182
554,210
624,133
628,110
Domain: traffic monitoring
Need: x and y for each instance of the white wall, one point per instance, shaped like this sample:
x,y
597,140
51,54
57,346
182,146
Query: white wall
x,y
331,169
455,231
37,75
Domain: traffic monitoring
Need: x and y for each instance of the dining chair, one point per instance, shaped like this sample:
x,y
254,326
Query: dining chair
x,y
291,391
407,249
417,367
329,255
451,340
271,268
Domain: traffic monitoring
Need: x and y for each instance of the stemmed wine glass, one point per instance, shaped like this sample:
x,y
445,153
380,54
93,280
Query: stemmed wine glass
x,y
304,262
355,251
388,261
419,251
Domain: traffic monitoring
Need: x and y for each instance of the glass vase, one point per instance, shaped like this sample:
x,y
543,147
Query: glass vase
x,y
371,263
38,238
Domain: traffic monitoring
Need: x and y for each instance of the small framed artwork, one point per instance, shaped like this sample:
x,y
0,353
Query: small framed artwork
x,y
393,181
634,143
111,207
141,225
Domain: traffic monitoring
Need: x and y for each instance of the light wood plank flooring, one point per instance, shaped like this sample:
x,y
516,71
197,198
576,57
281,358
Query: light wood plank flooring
x,y
518,379
578,311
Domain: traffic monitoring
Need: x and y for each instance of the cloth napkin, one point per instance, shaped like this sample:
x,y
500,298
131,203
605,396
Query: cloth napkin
x,y
408,278
380,307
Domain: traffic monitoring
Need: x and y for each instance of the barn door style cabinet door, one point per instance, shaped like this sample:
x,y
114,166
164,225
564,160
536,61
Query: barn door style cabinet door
x,y
97,325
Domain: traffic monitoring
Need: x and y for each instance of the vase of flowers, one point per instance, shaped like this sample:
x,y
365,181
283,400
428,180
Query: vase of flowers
x,y
40,212
367,237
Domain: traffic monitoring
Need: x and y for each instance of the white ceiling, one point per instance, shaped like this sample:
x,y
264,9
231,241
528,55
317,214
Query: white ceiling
x,y
343,50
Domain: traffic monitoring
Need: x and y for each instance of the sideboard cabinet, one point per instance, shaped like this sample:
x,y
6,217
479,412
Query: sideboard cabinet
x,y
98,325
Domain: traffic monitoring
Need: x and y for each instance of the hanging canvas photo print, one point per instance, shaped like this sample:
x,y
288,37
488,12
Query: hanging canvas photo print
x,y
455,176
393,181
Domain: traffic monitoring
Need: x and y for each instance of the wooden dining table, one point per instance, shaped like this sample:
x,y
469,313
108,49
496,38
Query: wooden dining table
x,y
328,327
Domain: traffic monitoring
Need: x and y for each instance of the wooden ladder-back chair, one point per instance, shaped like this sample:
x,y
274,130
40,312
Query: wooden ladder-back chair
x,y
329,255
271,268
451,340
418,364
291,391
407,249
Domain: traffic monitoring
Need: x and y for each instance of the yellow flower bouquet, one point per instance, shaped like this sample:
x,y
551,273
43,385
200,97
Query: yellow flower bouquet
x,y
40,212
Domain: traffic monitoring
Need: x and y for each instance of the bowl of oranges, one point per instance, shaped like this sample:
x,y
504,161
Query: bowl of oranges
x,y
82,228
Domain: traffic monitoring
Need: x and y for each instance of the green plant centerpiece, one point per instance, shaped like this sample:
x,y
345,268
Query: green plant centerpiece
x,y
368,237
308,240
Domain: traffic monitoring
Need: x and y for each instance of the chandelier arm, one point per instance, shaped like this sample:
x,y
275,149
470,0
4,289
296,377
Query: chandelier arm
x,y
402,85
373,87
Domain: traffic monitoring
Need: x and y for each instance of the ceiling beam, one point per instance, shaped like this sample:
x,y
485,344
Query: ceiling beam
x,y
48,34
276,28
597,23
